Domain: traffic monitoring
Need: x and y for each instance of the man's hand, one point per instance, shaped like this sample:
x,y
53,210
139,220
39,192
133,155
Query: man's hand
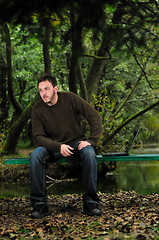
x,y
83,144
66,150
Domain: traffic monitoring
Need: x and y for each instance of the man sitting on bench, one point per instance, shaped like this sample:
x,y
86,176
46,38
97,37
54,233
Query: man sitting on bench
x,y
57,132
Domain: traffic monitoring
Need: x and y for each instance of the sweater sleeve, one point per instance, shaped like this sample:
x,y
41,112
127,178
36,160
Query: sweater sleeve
x,y
92,116
39,134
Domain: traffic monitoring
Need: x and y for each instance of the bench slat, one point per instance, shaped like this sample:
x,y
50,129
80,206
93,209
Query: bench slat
x,y
100,158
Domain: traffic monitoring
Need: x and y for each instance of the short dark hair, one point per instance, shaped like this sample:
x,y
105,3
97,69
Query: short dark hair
x,y
48,77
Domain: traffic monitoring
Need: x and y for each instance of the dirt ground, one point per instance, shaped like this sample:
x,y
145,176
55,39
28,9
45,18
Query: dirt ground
x,y
125,215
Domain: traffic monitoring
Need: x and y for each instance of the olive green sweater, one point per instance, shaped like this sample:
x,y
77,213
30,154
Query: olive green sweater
x,y
59,124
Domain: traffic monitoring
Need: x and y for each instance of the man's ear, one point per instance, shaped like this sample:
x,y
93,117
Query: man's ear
x,y
56,89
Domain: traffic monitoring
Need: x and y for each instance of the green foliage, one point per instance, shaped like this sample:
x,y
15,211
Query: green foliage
x,y
27,57
106,107
130,31
151,124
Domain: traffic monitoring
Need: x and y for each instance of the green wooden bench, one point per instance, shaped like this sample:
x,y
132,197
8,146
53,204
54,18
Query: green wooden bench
x,y
100,158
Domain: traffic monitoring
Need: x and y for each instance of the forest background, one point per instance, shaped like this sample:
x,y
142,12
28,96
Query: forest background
x,y
105,51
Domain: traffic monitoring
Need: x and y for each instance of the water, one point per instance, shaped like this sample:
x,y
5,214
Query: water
x,y
141,177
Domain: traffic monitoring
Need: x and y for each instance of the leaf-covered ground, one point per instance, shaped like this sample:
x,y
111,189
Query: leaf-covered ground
x,y
125,215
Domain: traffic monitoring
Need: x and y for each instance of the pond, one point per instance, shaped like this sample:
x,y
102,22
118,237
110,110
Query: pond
x,y
141,177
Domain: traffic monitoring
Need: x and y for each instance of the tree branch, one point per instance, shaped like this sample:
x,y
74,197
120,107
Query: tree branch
x,y
98,57
127,121
132,90
142,68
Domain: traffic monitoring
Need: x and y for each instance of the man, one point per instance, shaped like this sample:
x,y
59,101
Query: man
x,y
57,133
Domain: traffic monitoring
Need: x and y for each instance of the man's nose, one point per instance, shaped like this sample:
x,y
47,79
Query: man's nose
x,y
43,92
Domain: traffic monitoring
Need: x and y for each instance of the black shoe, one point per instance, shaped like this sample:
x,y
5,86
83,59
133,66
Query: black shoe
x,y
91,209
40,210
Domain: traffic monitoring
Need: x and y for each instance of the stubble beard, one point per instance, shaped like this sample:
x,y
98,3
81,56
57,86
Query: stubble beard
x,y
50,103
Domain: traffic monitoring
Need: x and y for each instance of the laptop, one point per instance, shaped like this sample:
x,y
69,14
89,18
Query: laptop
x,y
127,150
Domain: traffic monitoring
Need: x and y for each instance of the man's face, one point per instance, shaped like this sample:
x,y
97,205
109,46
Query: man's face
x,y
47,92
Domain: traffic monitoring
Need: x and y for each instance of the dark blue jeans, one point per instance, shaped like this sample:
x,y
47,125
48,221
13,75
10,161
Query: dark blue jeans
x,y
40,157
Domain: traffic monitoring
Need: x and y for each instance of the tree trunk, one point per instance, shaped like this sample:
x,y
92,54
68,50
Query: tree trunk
x,y
76,52
16,128
83,89
94,75
46,48
15,103
4,108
